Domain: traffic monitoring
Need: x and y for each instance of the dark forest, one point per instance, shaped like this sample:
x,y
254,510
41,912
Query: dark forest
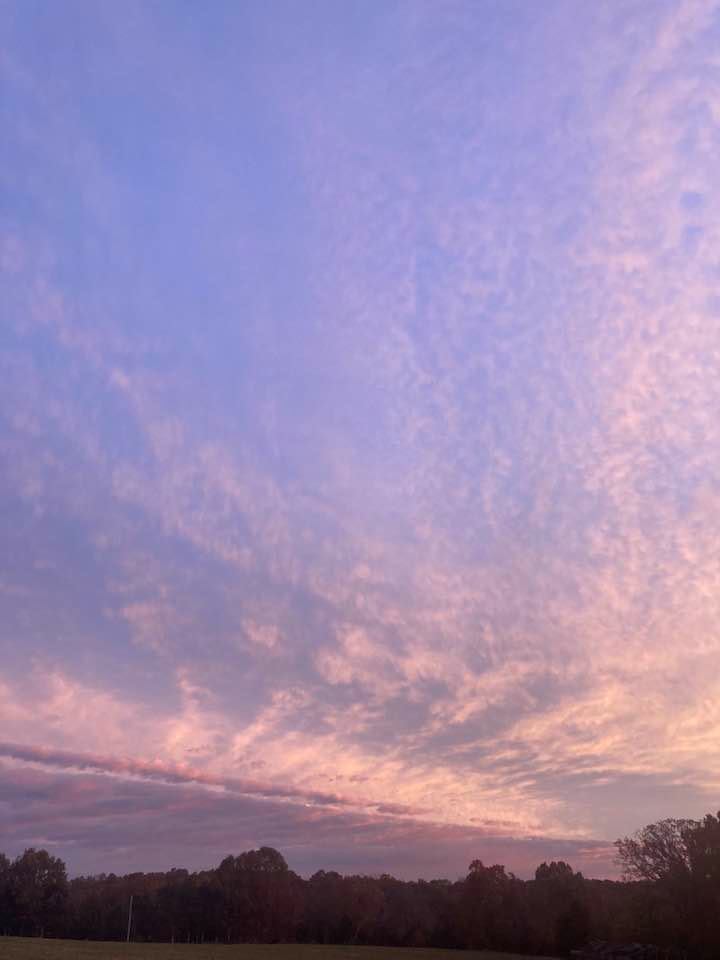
x,y
669,896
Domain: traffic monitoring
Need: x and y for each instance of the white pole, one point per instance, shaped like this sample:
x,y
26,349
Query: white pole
x,y
127,938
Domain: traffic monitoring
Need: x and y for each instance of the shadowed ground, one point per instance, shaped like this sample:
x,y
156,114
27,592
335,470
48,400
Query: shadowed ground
x,y
17,948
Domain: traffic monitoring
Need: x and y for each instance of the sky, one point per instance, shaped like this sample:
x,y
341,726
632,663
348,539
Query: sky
x,y
359,435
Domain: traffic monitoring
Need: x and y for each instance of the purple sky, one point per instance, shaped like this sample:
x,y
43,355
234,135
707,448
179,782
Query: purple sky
x,y
359,429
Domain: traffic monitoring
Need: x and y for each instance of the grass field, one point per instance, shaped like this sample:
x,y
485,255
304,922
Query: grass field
x,y
18,948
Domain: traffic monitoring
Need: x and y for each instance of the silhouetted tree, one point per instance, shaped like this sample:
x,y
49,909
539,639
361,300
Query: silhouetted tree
x,y
560,917
258,890
488,907
38,891
680,862
672,898
5,913
557,872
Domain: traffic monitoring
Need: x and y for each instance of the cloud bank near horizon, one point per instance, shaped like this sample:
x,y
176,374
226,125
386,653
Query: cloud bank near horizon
x,y
358,392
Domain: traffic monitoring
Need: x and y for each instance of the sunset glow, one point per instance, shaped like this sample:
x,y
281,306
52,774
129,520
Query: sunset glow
x,y
359,430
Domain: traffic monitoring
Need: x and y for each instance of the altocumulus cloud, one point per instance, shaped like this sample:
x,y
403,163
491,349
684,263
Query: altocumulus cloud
x,y
358,392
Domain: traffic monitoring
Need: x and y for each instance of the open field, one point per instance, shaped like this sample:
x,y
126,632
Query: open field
x,y
19,948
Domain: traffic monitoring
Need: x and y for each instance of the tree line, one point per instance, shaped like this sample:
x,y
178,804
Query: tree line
x,y
669,896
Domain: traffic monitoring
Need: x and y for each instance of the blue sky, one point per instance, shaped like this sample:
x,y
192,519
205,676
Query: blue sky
x,y
358,433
